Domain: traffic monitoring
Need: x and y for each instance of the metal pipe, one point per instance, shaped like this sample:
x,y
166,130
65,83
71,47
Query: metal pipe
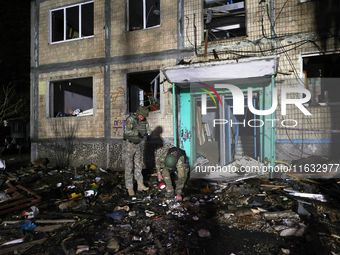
x,y
174,113
273,138
195,34
255,139
272,23
261,103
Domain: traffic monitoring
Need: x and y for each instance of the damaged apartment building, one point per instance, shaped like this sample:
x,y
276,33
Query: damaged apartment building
x,y
206,69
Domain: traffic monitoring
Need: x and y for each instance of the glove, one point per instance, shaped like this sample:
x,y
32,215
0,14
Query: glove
x,y
140,135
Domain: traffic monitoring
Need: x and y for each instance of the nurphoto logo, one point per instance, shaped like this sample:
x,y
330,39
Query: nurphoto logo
x,y
238,100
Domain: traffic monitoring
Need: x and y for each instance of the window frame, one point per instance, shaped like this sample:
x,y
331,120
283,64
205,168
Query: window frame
x,y
156,83
64,22
304,77
144,17
233,9
50,97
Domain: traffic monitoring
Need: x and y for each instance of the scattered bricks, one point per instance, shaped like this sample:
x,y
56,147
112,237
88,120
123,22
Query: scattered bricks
x,y
279,215
244,212
295,231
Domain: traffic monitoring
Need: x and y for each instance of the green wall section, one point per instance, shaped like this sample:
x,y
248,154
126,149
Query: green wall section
x,y
186,132
174,113
267,134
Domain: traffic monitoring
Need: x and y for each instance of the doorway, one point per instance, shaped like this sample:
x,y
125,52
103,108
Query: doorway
x,y
222,137
241,133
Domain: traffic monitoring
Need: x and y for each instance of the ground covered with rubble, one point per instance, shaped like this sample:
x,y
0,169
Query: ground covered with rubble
x,y
87,211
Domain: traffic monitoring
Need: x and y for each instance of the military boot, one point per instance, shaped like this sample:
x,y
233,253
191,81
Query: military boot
x,y
141,186
131,192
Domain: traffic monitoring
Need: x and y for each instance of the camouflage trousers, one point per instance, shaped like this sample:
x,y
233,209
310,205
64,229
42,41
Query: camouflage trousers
x,y
179,181
133,160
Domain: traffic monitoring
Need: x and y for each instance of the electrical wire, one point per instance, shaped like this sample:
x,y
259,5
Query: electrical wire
x,y
280,12
187,32
298,95
281,49
298,79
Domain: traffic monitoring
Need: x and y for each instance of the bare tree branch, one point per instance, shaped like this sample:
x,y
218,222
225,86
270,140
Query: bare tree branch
x,y
11,104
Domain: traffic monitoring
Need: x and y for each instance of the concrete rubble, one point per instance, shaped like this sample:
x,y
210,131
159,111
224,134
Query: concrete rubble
x,y
87,211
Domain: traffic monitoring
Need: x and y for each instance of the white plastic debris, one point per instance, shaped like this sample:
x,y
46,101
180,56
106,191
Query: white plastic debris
x,y
149,213
31,213
204,233
89,193
132,214
2,164
4,196
285,251
296,231
228,215
306,195
20,240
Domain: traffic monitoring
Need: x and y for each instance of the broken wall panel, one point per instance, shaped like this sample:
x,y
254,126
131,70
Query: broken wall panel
x,y
224,19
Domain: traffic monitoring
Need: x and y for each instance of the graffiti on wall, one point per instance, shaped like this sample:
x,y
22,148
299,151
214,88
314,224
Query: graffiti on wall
x,y
118,93
118,128
185,135
114,96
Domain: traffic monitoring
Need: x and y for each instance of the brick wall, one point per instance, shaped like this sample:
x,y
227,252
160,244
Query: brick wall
x,y
154,39
81,49
294,29
88,126
163,117
294,25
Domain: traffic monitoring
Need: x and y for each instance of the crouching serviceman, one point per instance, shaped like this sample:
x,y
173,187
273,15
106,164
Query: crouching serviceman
x,y
173,161
136,130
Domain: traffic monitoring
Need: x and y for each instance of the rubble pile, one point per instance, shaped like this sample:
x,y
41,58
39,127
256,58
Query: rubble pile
x,y
87,211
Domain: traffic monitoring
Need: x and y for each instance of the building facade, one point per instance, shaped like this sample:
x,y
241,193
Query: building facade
x,y
103,58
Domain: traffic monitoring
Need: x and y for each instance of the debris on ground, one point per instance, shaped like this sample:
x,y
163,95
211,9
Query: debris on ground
x,y
88,211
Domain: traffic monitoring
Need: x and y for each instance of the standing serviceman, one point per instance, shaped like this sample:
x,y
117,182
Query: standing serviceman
x,y
173,161
136,131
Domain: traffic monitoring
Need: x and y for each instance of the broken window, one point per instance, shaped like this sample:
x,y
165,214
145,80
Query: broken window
x,y
72,97
224,19
322,73
72,22
143,14
143,89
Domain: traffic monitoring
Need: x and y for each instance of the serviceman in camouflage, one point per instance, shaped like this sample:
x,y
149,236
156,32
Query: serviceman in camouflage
x,y
174,160
136,130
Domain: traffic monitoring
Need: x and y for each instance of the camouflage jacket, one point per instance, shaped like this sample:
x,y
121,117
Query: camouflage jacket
x,y
133,127
182,169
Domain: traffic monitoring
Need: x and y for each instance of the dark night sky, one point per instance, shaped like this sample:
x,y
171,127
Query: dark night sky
x,y
15,45
15,42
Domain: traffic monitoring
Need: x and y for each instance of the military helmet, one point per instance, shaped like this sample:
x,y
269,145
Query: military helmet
x,y
143,110
170,161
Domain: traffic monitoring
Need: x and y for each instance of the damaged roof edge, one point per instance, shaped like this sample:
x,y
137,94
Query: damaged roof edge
x,y
223,70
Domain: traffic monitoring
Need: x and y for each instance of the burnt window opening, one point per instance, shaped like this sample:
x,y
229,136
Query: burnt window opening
x,y
224,19
72,97
322,75
73,22
143,89
143,14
